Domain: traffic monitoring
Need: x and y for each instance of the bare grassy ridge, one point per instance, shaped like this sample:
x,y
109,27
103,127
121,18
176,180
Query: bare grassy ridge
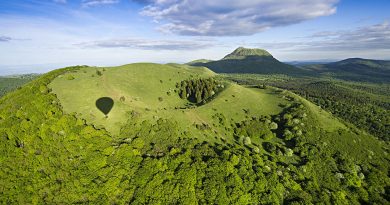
x,y
150,91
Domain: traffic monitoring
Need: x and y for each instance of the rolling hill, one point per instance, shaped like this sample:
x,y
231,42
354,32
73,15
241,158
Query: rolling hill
x,y
356,69
178,134
244,60
141,85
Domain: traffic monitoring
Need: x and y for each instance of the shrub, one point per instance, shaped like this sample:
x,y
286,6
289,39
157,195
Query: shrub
x,y
289,152
296,121
273,126
241,139
268,136
287,134
256,150
269,147
247,141
138,143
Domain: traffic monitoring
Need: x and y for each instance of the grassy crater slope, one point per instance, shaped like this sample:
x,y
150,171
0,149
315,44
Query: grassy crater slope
x,y
148,91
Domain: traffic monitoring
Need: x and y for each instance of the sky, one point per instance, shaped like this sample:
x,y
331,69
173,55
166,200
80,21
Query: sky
x,y
41,35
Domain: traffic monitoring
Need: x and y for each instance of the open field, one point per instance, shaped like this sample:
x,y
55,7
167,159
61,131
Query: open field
x,y
141,86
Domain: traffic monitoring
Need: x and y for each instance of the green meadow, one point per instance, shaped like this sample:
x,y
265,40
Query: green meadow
x,y
149,91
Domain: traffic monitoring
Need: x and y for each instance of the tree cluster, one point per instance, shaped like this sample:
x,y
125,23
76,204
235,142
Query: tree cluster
x,y
199,90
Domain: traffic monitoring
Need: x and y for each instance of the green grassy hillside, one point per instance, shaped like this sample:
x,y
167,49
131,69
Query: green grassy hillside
x,y
141,86
236,145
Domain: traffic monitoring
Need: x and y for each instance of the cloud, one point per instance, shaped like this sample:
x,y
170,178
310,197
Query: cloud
x,y
372,37
91,3
5,39
147,44
232,17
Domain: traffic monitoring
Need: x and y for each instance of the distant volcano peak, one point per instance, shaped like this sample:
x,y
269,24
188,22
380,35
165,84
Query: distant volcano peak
x,y
242,52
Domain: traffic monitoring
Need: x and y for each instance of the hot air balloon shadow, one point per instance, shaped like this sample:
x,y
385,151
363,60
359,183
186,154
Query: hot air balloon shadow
x,y
105,105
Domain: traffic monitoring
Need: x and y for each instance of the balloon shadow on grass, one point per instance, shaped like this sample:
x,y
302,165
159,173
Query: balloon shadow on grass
x,y
105,105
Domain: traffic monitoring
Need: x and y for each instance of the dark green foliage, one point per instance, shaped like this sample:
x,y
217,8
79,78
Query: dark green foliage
x,y
99,73
199,90
10,83
40,146
355,69
316,161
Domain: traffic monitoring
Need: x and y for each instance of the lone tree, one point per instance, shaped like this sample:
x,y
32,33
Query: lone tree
x,y
273,126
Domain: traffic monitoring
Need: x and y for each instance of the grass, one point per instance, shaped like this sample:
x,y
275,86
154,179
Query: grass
x,y
148,90
324,118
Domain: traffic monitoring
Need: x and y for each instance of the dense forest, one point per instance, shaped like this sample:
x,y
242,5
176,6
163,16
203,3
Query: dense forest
x,y
10,83
49,157
366,105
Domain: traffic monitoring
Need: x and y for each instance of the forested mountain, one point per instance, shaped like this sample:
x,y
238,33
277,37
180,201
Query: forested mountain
x,y
244,60
259,61
355,69
179,135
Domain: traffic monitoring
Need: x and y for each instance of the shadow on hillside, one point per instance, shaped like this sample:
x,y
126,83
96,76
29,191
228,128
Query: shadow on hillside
x,y
105,104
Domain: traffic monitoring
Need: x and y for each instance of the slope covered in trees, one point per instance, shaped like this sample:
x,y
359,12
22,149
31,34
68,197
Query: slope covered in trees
x,y
10,83
355,69
50,156
366,105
